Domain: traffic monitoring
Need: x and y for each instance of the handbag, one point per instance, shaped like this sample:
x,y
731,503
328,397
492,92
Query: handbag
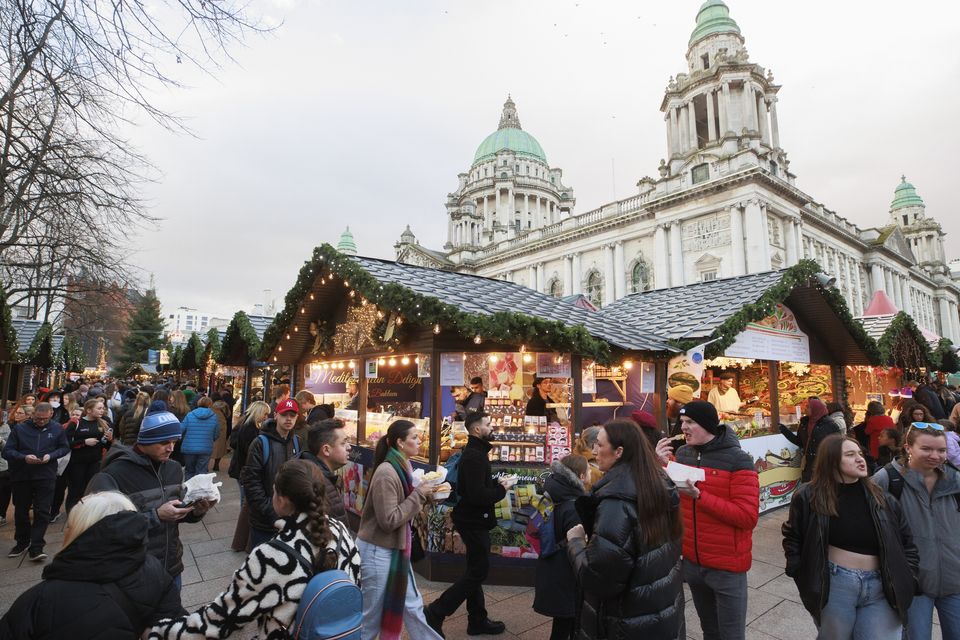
x,y
416,546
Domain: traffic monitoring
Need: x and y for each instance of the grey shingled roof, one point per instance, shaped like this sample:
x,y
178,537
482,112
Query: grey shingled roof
x,y
693,311
876,326
485,296
27,330
259,324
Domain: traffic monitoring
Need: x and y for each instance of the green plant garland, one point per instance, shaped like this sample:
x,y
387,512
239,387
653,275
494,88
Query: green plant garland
x,y
212,350
791,278
501,327
240,338
70,356
903,345
945,358
40,353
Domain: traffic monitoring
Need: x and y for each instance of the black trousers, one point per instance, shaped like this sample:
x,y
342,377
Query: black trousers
x,y
37,494
59,492
469,587
562,628
5,493
78,475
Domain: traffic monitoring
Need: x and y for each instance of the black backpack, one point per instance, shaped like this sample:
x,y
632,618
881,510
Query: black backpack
x,y
895,482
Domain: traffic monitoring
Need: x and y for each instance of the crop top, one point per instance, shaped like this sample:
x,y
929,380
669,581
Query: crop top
x,y
854,530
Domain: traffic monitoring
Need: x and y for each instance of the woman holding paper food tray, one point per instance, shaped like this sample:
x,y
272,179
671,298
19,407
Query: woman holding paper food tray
x,y
391,599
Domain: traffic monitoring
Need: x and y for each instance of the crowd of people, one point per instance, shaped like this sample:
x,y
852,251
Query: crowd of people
x,y
867,539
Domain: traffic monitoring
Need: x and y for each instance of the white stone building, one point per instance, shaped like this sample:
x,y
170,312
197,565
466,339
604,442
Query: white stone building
x,y
724,204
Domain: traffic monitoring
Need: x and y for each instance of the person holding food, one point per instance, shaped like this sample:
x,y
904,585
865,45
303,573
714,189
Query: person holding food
x,y
391,599
724,396
473,518
719,514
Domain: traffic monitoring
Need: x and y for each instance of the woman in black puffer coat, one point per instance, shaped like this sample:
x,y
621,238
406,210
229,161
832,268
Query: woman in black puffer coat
x,y
629,571
102,585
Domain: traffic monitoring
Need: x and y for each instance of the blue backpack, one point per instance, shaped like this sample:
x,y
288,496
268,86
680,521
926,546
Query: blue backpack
x,y
265,445
452,464
331,607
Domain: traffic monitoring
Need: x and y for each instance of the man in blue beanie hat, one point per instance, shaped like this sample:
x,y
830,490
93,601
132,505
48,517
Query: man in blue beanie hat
x,y
154,483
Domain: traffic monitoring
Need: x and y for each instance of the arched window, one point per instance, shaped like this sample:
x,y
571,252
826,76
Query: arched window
x,y
556,288
503,176
640,276
594,288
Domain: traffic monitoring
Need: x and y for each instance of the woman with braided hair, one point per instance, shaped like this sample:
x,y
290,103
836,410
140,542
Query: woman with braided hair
x,y
268,587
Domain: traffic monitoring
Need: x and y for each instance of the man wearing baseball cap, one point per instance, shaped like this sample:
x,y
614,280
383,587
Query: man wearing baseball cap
x,y
719,515
271,448
136,472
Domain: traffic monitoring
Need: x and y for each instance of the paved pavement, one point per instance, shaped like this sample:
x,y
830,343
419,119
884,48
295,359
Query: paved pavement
x,y
773,611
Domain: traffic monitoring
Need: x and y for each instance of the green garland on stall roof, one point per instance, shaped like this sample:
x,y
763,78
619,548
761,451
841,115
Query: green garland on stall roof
x,y
502,327
903,345
800,274
240,337
7,333
41,347
212,351
176,358
69,356
945,356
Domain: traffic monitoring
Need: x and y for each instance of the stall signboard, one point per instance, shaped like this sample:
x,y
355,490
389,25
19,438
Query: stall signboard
x,y
550,365
451,369
424,362
398,383
588,378
777,337
322,380
687,369
505,374
777,463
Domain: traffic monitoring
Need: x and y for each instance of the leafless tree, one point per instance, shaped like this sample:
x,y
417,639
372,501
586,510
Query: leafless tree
x,y
73,73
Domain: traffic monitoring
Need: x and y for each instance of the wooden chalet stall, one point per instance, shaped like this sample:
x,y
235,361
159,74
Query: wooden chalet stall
x,y
237,360
382,340
780,337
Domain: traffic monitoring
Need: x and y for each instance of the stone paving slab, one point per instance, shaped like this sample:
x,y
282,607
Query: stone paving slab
x,y
774,611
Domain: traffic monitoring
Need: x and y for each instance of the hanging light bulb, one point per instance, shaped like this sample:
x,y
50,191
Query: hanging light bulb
x,y
296,328
493,358
280,347
303,309
311,296
417,359
352,293
381,362
628,364
436,328
288,336
352,364
392,362
477,339
527,358
326,365
405,360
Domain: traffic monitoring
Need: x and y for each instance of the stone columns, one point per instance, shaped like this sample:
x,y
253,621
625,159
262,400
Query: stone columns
x,y
736,241
711,125
859,281
758,239
721,114
726,126
954,323
532,277
539,212
905,294
848,276
761,104
692,123
498,212
887,282
876,278
745,104
790,241
682,128
774,126
541,280
660,255
609,295
676,255
568,275
675,144
669,125
576,282
798,238
945,321
619,271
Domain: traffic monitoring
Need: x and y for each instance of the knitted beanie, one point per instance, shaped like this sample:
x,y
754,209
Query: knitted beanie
x,y
704,414
158,427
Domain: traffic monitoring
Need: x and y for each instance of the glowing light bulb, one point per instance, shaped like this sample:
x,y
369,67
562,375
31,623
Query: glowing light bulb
x,y
381,362
527,358
477,339
493,358
436,328
405,360
628,364
392,362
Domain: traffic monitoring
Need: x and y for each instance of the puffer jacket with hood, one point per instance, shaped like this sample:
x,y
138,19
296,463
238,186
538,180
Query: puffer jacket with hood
x,y
148,485
718,526
630,590
74,599
556,588
258,474
201,428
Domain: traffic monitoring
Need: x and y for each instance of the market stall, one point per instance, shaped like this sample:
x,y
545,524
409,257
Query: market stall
x,y
237,362
764,344
381,340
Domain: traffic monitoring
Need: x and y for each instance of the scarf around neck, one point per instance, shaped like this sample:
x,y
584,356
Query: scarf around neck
x,y
395,592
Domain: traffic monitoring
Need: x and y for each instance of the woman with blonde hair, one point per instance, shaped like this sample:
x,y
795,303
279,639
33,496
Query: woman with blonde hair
x,y
177,404
240,440
101,584
88,439
130,422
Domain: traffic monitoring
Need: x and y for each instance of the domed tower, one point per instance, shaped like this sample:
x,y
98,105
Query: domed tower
x,y
722,106
509,190
346,245
924,234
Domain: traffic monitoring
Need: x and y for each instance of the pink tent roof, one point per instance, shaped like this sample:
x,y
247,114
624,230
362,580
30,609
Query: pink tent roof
x,y
880,305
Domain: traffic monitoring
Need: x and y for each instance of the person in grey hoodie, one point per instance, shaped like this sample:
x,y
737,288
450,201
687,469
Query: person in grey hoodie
x,y
928,489
201,428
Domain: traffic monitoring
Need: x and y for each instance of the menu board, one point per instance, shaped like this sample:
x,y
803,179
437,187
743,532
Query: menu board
x,y
776,337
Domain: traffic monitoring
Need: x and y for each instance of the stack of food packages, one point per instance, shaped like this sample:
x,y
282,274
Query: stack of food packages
x,y
516,498
558,442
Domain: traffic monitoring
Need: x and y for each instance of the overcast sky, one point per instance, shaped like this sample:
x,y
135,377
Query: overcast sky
x,y
363,113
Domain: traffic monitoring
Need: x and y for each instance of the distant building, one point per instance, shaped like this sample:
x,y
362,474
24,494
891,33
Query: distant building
x,y
724,203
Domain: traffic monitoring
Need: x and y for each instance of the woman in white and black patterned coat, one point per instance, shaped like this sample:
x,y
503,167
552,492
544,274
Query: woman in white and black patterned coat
x,y
268,587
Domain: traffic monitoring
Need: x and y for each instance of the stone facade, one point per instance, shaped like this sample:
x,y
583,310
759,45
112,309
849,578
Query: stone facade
x,y
724,204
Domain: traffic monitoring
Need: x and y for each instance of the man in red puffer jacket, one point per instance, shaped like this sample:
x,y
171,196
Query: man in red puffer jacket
x,y
719,515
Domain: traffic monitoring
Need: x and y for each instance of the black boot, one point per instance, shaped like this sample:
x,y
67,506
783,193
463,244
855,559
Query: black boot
x,y
487,627
434,620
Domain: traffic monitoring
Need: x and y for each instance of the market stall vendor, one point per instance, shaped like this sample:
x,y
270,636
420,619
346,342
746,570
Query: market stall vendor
x,y
724,396
539,399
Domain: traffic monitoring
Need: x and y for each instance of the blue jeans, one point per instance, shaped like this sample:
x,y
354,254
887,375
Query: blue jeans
x,y
258,537
374,566
178,581
195,463
920,617
857,608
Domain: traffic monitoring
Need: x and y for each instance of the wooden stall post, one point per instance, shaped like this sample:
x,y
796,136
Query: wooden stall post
x,y
362,401
436,408
576,371
660,393
774,371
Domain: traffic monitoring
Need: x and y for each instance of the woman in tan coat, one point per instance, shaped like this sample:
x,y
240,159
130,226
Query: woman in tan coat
x,y
390,596
220,444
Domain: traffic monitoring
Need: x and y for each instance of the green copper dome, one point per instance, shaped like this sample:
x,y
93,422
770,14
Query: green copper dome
x,y
905,195
346,245
511,136
516,140
713,17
